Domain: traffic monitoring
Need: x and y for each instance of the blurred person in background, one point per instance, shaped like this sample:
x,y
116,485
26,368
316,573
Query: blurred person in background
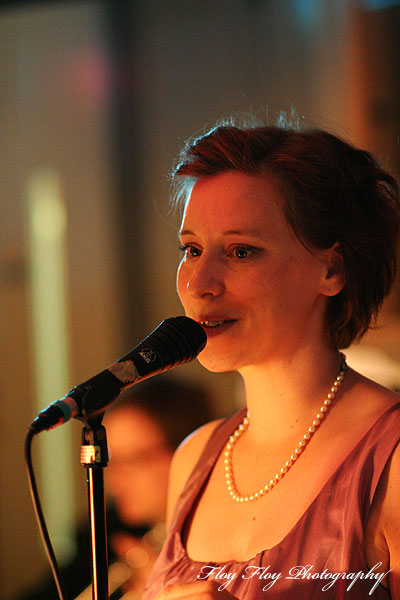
x,y
144,427
143,430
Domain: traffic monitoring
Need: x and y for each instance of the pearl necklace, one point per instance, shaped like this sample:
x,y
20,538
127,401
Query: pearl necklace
x,y
230,480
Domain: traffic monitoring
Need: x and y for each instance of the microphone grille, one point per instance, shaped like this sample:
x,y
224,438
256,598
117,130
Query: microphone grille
x,y
178,340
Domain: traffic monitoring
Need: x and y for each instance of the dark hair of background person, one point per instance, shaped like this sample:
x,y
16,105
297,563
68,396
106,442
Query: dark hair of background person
x,y
331,192
177,406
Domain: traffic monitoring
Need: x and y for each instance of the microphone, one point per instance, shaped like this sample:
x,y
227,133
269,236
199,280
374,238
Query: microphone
x,y
174,342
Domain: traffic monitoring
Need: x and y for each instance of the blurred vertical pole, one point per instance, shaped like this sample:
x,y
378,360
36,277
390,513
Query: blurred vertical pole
x,y
374,78
374,112
47,223
374,107
123,25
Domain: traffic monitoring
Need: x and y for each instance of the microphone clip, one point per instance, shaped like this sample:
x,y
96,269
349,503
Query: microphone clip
x,y
94,449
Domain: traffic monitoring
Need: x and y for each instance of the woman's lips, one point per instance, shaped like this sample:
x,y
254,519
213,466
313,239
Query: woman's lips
x,y
214,327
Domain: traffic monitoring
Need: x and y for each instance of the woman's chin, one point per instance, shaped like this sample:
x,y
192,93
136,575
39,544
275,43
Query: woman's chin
x,y
216,364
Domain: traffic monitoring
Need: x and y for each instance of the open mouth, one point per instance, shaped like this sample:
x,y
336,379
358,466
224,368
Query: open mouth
x,y
212,323
216,326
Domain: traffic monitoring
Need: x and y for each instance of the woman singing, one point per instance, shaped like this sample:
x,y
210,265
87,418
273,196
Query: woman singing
x,y
289,244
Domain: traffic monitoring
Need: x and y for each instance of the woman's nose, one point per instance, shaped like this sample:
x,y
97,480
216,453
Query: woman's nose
x,y
206,279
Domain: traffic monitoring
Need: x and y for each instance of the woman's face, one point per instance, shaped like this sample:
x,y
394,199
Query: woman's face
x,y
244,276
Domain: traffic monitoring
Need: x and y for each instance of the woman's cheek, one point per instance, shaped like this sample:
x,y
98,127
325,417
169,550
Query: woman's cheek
x,y
181,283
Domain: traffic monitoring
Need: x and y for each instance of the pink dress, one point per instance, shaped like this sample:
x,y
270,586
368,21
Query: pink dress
x,y
320,558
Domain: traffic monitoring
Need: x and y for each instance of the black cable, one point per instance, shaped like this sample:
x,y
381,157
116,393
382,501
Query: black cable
x,y
40,518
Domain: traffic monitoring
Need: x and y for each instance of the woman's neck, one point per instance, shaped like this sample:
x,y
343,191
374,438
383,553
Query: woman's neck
x,y
285,394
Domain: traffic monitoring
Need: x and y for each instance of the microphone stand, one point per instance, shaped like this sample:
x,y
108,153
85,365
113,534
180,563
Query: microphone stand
x,y
94,457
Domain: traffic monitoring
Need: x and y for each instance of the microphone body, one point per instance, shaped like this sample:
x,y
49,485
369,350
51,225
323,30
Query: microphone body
x,y
175,341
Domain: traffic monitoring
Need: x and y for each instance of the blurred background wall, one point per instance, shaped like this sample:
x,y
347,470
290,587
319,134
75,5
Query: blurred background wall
x,y
96,100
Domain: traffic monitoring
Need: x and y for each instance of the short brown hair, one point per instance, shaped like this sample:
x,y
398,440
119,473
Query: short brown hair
x,y
331,192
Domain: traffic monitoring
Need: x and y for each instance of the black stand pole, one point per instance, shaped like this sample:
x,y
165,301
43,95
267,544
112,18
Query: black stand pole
x,y
94,456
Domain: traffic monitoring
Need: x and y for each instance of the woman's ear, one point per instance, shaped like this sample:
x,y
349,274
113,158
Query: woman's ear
x,y
334,279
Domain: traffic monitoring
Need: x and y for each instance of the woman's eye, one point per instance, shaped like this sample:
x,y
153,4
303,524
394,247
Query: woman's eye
x,y
190,251
243,252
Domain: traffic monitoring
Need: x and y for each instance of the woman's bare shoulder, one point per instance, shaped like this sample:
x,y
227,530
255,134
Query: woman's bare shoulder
x,y
185,459
372,396
189,451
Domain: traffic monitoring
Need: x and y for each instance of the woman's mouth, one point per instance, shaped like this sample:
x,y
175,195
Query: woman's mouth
x,y
214,327
211,323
